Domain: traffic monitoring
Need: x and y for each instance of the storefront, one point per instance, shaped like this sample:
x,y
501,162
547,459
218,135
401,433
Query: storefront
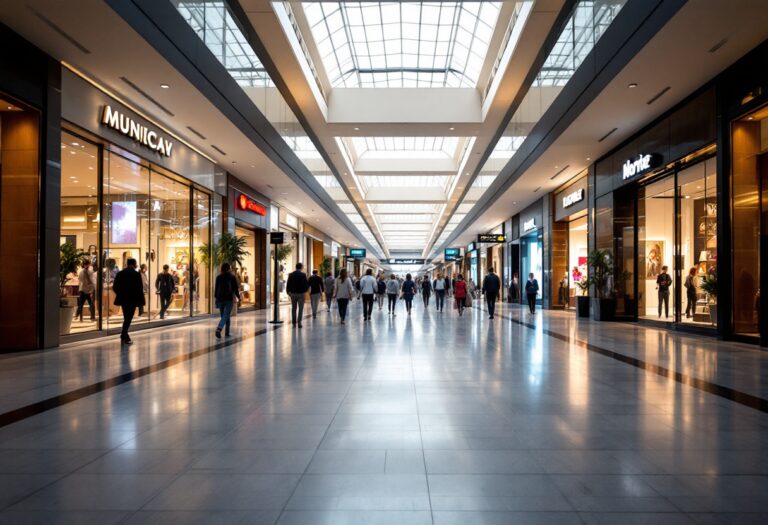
x,y
288,252
248,211
471,262
532,248
656,208
131,190
569,242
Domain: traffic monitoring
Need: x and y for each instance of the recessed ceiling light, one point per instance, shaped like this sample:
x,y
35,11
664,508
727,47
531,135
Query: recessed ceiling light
x,y
73,178
164,86
632,85
75,144
750,118
451,129
589,158
356,129
10,107
90,167
557,167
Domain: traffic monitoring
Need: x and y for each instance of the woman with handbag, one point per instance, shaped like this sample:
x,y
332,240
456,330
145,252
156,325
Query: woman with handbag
x,y
460,293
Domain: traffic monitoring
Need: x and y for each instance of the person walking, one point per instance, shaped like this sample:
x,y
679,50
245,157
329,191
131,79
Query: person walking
x,y
129,295
471,287
316,289
690,292
393,290
409,290
225,290
87,287
343,291
491,289
440,285
368,289
426,291
297,286
381,290
145,285
330,280
531,291
663,282
460,293
514,288
164,287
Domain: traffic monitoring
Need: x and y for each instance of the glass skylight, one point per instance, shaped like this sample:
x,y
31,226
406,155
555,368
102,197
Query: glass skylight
x,y
408,44
405,181
401,147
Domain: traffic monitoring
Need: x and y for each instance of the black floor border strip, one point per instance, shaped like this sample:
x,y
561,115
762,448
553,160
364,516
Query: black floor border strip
x,y
38,407
742,398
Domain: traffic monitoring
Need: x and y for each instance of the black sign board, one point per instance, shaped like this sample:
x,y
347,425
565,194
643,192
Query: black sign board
x,y
491,237
277,237
452,254
471,246
357,253
407,261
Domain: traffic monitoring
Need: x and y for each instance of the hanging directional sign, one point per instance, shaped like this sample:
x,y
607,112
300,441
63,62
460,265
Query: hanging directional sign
x,y
491,237
277,237
357,253
452,254
407,261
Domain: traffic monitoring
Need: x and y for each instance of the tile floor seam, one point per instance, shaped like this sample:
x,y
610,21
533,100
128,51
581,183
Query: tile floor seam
x,y
305,473
421,434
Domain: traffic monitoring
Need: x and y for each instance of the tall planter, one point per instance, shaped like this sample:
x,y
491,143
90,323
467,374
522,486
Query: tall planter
x,y
604,309
582,306
600,277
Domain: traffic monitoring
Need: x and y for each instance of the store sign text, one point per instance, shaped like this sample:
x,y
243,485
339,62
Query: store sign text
x,y
641,164
530,224
408,261
357,253
124,124
572,198
491,237
248,204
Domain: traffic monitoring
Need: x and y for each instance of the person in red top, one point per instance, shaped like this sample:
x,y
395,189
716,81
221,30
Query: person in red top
x,y
460,293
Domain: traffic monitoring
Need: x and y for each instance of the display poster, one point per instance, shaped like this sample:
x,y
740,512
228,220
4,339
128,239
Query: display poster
x,y
654,259
124,224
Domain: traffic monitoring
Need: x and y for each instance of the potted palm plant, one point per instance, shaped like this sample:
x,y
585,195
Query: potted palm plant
x,y
709,286
582,301
69,259
600,276
229,248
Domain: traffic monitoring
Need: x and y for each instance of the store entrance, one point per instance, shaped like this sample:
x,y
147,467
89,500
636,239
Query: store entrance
x,y
531,260
569,266
251,274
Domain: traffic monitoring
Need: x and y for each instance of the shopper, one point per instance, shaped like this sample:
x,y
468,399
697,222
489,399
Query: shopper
x,y
393,290
531,291
381,290
514,288
409,290
367,290
441,286
491,289
164,288
297,286
129,295
145,285
343,291
426,291
226,290
316,289
460,293
471,288
663,282
87,287
690,292
330,280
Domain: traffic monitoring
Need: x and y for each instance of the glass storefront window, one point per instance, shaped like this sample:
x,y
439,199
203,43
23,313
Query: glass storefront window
x,y
532,260
80,229
656,243
201,209
247,274
577,258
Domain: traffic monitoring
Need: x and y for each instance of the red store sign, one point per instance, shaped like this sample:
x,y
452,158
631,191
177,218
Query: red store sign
x,y
248,204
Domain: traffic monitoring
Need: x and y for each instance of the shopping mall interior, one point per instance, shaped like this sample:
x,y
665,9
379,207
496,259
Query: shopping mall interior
x,y
290,262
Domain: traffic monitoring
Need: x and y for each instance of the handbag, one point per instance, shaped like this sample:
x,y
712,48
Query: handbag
x,y
468,301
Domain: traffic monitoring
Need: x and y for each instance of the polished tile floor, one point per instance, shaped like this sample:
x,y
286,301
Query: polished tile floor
x,y
408,420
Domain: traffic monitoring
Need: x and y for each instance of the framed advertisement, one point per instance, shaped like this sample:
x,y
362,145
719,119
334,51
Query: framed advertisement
x,y
654,259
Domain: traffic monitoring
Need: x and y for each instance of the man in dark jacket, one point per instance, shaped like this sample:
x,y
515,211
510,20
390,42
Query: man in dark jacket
x,y
491,289
531,291
297,287
129,295
165,285
316,289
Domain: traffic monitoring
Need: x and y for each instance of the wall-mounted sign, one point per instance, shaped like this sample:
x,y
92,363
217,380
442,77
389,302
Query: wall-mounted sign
x,y
334,249
572,198
277,237
357,253
471,247
291,220
117,120
246,203
407,261
643,162
452,254
529,225
491,237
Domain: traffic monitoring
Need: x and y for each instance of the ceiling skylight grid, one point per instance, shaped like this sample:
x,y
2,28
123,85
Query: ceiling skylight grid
x,y
374,146
402,44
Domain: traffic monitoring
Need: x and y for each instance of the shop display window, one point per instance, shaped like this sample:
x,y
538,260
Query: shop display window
x,y
81,296
656,242
201,209
247,272
577,259
532,260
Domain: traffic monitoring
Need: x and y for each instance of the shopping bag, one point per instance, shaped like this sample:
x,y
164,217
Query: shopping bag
x,y
468,301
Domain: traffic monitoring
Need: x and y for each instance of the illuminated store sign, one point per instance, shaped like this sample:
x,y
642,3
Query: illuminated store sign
x,y
471,247
572,198
145,136
246,203
491,237
529,225
452,254
407,261
357,253
641,164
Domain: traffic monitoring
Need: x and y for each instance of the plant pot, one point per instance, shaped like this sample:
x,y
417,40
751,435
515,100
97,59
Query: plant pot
x,y
713,313
582,306
66,315
604,309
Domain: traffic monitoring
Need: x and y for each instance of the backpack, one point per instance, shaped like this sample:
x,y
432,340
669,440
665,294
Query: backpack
x,y
382,287
357,284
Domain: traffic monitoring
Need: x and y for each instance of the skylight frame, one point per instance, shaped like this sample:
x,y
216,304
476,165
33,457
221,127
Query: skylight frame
x,y
378,44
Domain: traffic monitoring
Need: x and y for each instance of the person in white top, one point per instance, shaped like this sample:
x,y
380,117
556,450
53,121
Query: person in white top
x,y
86,286
393,289
343,291
367,289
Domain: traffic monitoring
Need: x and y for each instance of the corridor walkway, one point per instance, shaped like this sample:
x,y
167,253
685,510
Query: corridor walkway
x,y
413,420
